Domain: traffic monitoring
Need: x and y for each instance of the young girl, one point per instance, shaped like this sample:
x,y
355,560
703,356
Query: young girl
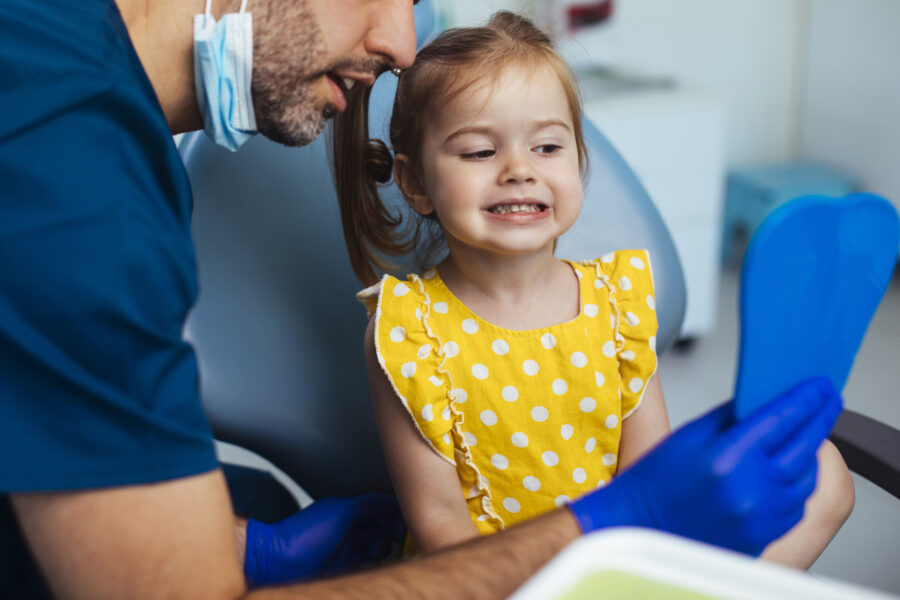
x,y
505,381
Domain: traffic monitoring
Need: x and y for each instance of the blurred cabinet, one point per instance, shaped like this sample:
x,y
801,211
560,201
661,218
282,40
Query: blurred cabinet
x,y
674,138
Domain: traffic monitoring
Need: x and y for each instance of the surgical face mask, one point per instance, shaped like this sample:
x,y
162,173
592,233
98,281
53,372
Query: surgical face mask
x,y
223,67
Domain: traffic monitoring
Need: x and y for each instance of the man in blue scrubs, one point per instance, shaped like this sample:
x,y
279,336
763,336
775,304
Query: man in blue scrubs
x,y
109,486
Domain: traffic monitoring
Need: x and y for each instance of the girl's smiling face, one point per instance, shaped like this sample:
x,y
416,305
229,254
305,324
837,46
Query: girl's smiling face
x,y
499,165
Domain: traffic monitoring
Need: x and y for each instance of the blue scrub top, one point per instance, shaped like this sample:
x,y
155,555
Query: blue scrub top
x,y
97,273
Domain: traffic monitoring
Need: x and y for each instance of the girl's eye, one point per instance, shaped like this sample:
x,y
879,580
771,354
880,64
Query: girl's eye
x,y
548,148
480,154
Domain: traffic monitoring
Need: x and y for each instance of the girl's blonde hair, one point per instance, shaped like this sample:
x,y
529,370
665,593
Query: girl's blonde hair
x,y
449,66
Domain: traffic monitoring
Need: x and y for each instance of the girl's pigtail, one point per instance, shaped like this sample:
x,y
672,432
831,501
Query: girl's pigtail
x,y
360,164
379,161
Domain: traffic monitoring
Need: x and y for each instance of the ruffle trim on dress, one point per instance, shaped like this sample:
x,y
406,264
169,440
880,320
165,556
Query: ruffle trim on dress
x,y
470,477
612,258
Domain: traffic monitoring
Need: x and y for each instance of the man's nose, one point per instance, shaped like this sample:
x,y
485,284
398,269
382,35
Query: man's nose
x,y
393,35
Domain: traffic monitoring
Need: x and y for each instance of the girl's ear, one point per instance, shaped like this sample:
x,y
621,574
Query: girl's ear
x,y
409,184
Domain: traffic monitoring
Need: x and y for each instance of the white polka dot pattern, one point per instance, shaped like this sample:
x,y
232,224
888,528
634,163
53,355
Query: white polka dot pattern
x,y
559,386
470,326
540,413
541,409
519,439
550,458
531,483
499,461
579,359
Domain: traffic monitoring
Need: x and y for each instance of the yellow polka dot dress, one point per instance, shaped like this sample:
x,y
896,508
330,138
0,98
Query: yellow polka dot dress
x,y
530,419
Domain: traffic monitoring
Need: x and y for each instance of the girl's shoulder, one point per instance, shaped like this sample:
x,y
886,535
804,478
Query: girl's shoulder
x,y
634,265
391,290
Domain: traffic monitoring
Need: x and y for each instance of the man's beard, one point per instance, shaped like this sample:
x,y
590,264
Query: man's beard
x,y
288,57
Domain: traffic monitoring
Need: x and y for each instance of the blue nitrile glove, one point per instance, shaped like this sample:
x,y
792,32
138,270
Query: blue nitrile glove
x,y
738,485
329,536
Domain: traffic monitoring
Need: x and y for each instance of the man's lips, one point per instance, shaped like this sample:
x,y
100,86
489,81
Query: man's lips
x,y
340,100
342,83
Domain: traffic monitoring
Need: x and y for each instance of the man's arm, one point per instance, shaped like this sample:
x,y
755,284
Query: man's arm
x,y
176,539
487,567
163,540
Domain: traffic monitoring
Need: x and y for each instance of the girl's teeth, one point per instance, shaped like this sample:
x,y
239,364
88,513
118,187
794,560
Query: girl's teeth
x,y
515,208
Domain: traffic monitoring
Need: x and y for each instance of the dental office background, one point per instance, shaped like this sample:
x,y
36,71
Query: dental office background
x,y
780,93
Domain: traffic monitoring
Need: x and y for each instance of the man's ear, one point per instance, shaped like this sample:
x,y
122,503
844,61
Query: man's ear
x,y
408,181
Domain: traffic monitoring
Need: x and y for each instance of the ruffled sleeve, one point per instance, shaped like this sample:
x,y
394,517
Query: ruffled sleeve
x,y
411,358
630,277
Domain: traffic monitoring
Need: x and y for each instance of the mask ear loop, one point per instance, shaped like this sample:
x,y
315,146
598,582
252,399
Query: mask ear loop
x,y
243,6
208,13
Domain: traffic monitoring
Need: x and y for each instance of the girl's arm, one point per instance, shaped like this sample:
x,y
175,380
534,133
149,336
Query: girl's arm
x,y
426,485
646,426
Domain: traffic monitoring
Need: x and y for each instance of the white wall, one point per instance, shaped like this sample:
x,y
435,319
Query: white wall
x,y
749,50
851,97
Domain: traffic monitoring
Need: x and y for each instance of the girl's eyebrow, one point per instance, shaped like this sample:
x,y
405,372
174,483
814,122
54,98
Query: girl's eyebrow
x,y
551,123
464,130
482,129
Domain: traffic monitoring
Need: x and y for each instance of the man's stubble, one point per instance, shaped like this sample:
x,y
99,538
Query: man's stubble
x,y
288,58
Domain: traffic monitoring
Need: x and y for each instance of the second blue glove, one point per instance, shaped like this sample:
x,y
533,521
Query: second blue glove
x,y
329,536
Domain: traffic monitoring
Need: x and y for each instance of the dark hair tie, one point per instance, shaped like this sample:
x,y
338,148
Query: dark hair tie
x,y
379,162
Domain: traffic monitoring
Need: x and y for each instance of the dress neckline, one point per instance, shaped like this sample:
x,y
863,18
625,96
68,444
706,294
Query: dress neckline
x,y
437,280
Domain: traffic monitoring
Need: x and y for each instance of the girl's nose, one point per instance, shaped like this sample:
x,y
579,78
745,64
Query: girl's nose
x,y
517,169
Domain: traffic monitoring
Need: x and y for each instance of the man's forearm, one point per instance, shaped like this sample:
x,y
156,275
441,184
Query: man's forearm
x,y
240,534
490,567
